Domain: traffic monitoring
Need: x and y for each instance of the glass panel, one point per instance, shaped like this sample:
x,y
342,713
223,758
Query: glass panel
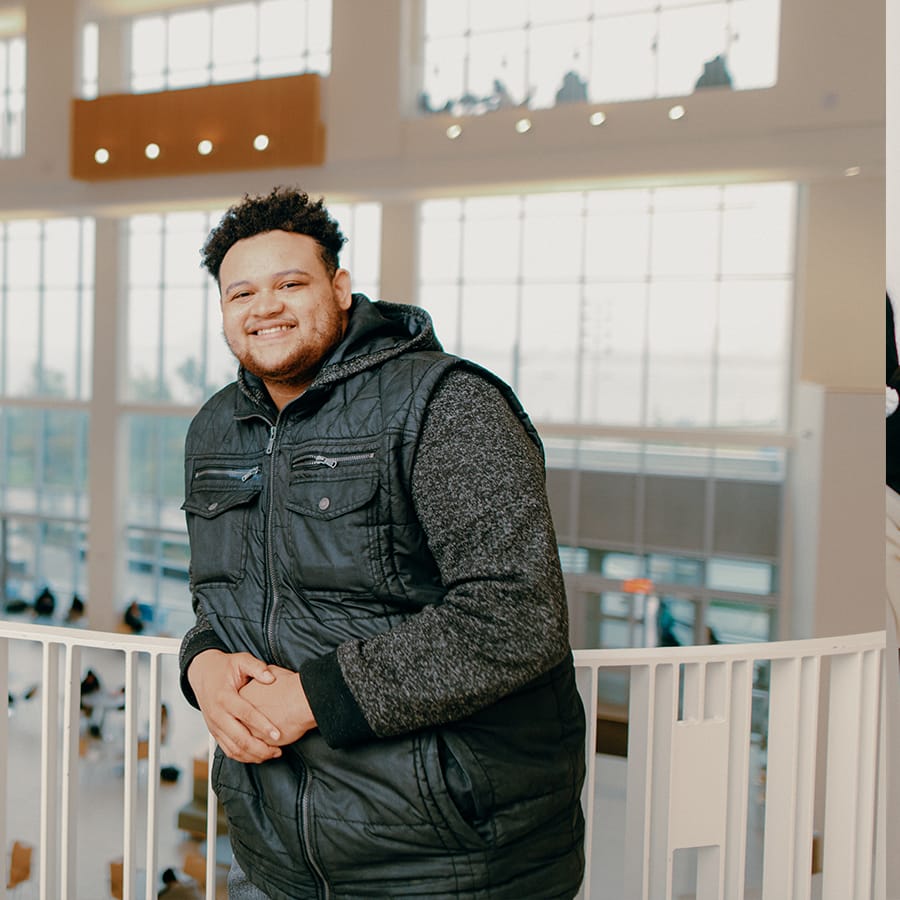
x,y
552,233
674,569
233,55
559,59
753,354
739,575
680,344
143,345
23,370
59,350
739,623
675,622
189,56
758,229
488,335
688,38
623,58
439,250
753,53
90,59
613,336
548,369
184,369
444,303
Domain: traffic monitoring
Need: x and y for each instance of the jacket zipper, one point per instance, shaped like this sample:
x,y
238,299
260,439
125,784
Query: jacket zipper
x,y
319,459
242,474
270,641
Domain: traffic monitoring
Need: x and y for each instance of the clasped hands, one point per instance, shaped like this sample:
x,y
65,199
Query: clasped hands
x,y
251,709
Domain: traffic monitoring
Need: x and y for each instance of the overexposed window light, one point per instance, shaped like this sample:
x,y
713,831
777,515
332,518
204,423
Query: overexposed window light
x,y
260,142
454,131
597,118
523,125
101,155
151,151
677,112
204,148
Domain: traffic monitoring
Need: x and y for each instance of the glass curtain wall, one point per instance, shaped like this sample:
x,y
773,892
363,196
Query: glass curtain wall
x,y
46,308
479,57
626,314
12,97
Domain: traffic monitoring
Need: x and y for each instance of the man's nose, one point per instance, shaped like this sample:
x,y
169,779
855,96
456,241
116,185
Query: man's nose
x,y
267,302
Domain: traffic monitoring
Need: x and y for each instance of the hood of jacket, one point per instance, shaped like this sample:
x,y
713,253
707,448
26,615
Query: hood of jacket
x,y
376,332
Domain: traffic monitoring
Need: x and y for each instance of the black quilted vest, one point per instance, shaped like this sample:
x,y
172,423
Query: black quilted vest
x,y
303,536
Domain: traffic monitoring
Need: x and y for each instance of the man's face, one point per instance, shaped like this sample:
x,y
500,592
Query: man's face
x,y
281,311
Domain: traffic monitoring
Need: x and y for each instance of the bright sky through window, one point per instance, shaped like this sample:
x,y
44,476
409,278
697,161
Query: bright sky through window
x,y
230,42
540,53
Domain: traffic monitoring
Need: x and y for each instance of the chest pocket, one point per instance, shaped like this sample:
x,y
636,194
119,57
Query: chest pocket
x,y
218,505
334,535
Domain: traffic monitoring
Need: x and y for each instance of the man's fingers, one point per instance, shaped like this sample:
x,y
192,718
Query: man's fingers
x,y
251,667
257,723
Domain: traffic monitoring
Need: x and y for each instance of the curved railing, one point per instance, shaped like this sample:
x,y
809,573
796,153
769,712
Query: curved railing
x,y
772,747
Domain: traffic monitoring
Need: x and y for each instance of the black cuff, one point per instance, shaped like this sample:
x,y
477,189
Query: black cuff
x,y
337,713
205,640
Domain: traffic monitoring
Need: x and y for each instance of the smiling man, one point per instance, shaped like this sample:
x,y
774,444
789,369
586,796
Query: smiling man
x,y
381,647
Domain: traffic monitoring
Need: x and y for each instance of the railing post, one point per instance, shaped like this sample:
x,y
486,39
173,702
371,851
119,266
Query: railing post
x,y
4,752
49,848
70,748
586,680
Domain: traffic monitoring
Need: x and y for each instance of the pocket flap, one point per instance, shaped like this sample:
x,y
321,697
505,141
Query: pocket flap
x,y
329,498
210,503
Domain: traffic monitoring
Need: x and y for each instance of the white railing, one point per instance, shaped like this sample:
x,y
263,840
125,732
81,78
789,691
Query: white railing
x,y
693,741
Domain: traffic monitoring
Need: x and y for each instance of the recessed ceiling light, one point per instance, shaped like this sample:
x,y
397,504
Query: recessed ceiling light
x,y
260,142
523,125
101,155
204,148
151,151
677,112
597,118
454,131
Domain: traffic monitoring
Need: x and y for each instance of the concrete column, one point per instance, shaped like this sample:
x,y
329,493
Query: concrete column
x,y
107,459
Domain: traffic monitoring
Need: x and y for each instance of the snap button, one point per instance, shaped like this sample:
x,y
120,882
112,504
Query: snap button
x,y
213,505
324,503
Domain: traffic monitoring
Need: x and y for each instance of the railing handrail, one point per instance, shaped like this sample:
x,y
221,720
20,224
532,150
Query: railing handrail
x,y
630,656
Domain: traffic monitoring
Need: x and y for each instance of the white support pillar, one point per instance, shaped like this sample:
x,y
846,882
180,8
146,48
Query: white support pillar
x,y
106,455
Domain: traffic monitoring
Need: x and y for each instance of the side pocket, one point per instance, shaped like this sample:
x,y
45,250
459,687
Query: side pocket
x,y
470,802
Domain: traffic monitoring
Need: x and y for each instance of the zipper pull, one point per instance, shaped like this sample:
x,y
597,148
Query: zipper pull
x,y
271,443
326,461
250,473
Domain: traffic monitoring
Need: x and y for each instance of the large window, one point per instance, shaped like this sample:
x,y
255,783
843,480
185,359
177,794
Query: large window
x,y
230,42
659,307
12,97
617,315
46,303
482,56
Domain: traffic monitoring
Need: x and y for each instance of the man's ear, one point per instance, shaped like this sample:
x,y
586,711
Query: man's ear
x,y
343,289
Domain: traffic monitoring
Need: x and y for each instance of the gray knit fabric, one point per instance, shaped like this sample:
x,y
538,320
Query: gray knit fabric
x,y
478,489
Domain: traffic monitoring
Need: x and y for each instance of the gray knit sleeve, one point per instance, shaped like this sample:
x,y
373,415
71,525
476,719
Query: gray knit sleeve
x,y
478,487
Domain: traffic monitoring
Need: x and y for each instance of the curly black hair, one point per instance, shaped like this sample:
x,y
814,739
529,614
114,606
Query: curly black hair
x,y
283,209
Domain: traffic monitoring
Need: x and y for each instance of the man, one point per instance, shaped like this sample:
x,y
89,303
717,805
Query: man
x,y
381,648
